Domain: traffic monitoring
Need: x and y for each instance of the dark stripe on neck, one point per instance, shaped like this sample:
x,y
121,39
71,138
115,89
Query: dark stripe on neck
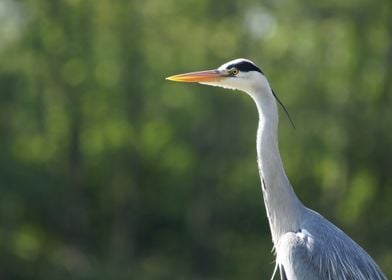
x,y
245,66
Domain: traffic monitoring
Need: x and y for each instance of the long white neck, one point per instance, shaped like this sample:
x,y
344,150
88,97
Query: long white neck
x,y
284,210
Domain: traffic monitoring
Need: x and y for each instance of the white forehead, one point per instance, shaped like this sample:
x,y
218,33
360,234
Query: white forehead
x,y
235,61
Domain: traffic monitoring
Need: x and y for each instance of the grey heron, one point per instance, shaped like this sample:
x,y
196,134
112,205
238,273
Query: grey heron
x,y
307,246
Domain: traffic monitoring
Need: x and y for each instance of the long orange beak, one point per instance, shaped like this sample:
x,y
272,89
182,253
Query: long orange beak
x,y
195,77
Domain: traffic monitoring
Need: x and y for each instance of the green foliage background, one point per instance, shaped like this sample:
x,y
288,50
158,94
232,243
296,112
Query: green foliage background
x,y
107,171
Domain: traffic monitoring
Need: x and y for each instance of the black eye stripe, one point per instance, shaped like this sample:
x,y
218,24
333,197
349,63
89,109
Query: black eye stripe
x,y
245,66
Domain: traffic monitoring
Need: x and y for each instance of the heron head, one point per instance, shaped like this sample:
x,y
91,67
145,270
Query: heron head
x,y
241,74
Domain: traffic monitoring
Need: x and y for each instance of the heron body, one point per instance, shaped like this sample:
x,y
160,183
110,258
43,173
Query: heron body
x,y
307,246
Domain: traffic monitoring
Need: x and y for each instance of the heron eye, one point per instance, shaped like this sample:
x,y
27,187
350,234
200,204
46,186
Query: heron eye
x,y
234,71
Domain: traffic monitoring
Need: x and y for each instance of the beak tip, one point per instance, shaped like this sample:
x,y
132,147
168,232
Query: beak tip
x,y
169,78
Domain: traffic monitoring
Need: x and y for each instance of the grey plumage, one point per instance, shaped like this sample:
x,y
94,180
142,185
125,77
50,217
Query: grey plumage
x,y
320,250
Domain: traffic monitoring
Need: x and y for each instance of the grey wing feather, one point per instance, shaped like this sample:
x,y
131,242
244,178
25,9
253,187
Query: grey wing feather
x,y
322,251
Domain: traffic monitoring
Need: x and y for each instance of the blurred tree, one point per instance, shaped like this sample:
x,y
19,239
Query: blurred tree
x,y
107,171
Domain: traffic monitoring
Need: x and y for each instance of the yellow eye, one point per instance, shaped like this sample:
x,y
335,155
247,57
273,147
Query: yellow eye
x,y
234,71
